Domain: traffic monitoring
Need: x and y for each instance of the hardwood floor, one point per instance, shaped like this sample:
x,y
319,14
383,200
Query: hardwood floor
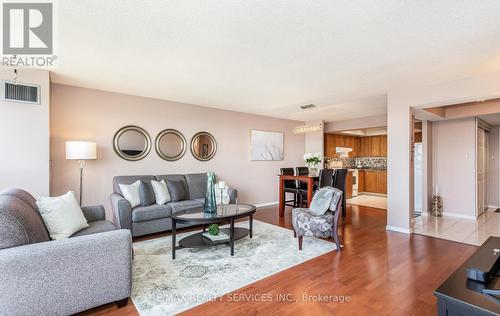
x,y
383,273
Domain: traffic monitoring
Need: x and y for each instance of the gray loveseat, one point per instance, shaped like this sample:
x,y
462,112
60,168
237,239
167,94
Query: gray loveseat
x,y
39,276
143,220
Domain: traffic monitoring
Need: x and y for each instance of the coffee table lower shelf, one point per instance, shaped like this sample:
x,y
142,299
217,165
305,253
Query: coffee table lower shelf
x,y
198,241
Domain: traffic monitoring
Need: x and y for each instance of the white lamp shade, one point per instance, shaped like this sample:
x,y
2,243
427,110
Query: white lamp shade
x,y
78,150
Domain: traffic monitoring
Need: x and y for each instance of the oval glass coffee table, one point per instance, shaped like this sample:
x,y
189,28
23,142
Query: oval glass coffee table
x,y
225,213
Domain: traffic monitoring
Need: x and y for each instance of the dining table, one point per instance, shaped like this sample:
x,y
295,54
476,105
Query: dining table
x,y
309,179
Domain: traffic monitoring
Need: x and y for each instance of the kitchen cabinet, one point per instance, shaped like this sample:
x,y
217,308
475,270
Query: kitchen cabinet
x,y
361,181
382,181
370,181
332,141
329,145
370,146
365,147
383,146
348,185
375,181
375,146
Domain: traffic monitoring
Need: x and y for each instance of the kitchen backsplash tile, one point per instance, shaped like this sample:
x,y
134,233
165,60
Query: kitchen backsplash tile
x,y
369,162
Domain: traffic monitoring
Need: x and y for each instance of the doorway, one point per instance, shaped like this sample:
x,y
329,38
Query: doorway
x,y
482,154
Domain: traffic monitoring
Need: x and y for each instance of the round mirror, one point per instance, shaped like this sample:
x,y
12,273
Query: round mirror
x,y
203,146
170,145
132,143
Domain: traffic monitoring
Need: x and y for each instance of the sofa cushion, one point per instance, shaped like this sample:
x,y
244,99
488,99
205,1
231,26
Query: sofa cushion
x,y
197,184
177,190
184,205
129,180
175,177
146,193
95,228
20,224
148,213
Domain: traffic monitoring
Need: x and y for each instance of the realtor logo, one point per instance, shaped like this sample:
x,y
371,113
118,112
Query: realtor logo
x,y
27,28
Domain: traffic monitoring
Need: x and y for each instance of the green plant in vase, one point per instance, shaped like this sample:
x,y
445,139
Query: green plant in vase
x,y
213,230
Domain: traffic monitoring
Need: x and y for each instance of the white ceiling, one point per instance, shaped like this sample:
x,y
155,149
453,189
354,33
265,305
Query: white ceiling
x,y
270,57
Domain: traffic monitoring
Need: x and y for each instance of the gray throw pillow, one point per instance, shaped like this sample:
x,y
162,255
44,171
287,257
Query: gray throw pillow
x,y
321,201
146,193
177,189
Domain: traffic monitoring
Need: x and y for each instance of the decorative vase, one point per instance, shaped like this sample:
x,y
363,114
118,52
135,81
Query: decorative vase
x,y
437,207
313,171
210,206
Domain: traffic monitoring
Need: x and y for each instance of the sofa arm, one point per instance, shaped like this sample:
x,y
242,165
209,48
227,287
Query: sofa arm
x,y
94,213
122,211
66,276
233,195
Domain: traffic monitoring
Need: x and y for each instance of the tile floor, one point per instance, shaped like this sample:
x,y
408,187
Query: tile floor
x,y
369,200
473,232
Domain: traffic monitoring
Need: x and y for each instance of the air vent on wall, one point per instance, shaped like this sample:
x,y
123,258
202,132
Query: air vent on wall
x,y
20,92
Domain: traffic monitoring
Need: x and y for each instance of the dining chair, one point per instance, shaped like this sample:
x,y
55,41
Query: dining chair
x,y
308,223
302,186
339,183
290,187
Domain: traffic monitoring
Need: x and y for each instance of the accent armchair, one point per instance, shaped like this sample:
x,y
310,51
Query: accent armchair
x,y
306,224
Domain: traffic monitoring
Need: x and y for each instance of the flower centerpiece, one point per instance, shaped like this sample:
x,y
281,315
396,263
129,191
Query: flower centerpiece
x,y
312,162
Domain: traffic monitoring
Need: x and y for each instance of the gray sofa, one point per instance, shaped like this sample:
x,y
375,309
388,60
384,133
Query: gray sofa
x,y
61,277
154,218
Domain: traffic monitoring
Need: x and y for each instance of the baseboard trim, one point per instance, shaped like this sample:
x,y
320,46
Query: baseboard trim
x,y
266,204
398,229
456,215
493,206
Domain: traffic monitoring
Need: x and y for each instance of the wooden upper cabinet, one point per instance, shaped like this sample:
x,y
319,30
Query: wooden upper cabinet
x,y
375,146
356,149
364,147
383,146
329,145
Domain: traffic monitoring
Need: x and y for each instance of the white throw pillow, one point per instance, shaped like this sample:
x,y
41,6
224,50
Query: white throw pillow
x,y
62,215
131,192
161,192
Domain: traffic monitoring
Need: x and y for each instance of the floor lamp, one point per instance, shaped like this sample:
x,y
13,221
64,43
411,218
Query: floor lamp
x,y
81,151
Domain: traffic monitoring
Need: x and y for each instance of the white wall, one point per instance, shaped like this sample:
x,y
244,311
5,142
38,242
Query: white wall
x,y
24,137
494,168
454,167
399,103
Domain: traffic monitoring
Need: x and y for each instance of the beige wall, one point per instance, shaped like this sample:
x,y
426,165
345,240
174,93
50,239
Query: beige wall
x,y
454,166
79,113
400,101
24,130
